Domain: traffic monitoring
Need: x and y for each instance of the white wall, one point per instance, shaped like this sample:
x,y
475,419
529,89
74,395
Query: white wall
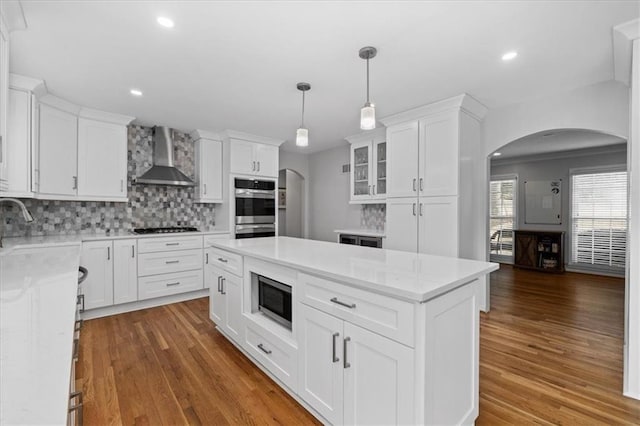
x,y
294,204
547,168
299,163
329,207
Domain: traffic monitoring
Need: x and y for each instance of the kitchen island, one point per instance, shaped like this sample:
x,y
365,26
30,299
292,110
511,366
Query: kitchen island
x,y
357,335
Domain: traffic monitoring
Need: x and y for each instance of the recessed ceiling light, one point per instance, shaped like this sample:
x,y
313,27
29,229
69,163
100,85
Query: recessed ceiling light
x,y
509,55
497,154
135,92
165,22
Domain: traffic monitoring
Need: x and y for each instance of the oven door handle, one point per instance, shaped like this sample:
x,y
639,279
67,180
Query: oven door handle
x,y
254,227
255,193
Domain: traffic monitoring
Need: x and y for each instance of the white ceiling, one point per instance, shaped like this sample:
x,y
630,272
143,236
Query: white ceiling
x,y
235,65
555,141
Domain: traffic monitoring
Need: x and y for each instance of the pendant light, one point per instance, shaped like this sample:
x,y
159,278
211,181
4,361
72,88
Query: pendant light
x,y
368,111
302,134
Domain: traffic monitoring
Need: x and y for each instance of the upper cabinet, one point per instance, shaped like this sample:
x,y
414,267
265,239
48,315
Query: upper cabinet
x,y
4,95
253,155
209,167
368,176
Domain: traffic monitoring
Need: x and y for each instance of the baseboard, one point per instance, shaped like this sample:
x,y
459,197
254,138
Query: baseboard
x,y
593,272
143,304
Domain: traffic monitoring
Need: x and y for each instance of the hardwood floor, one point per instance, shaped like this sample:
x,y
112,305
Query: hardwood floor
x,y
551,350
550,353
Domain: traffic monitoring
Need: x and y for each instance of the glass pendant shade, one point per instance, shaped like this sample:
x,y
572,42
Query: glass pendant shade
x,y
368,117
302,137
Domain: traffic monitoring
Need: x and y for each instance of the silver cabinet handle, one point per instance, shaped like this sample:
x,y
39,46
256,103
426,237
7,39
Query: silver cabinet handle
x,y
347,305
222,260
75,182
414,208
169,262
81,302
344,352
108,253
205,189
414,184
421,205
222,286
421,185
206,257
370,190
78,325
173,284
219,277
333,352
266,351
77,407
258,166
172,244
253,166
374,190
133,250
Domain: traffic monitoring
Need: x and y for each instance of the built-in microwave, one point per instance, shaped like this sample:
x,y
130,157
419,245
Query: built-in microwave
x,y
274,300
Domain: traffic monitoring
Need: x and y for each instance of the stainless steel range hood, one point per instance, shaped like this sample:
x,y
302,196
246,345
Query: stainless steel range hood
x,y
163,172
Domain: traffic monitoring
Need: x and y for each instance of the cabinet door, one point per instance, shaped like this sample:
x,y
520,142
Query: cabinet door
x,y
439,155
242,155
19,137
209,170
267,160
320,367
58,157
402,153
125,271
438,226
4,92
231,289
102,159
361,160
97,257
402,224
379,170
216,299
378,379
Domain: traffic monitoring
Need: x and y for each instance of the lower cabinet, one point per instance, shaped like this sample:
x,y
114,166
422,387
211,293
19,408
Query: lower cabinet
x,y
225,302
125,271
351,375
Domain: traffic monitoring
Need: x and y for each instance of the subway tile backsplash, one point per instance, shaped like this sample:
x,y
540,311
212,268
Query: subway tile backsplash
x,y
148,205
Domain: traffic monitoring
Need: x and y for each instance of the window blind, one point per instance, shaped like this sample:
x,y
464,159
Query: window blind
x,y
502,210
599,219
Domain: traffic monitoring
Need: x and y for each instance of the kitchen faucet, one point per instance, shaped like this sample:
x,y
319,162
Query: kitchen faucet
x,y
25,214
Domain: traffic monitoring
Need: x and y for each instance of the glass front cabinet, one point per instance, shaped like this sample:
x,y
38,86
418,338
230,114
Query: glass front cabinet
x,y
368,175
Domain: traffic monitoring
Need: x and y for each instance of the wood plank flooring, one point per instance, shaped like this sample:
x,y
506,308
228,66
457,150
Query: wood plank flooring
x,y
551,353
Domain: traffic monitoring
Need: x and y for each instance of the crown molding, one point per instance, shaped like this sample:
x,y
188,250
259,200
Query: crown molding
x,y
463,102
21,82
623,36
12,15
233,134
204,134
108,117
378,134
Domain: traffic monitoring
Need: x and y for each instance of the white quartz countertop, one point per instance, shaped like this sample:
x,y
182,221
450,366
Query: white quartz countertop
x,y
64,239
38,290
403,275
362,232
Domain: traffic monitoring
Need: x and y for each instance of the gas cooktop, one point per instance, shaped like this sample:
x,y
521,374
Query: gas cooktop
x,y
169,230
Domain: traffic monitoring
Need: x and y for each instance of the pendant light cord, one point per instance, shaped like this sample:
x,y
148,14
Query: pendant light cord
x,y
302,125
367,81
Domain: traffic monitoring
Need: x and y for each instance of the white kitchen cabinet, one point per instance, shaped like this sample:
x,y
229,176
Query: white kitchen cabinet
x,y
368,175
125,271
252,158
209,171
97,257
18,142
102,160
351,375
225,302
428,149
4,95
57,157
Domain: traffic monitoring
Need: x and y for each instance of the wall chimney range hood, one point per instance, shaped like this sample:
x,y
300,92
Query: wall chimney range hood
x,y
163,171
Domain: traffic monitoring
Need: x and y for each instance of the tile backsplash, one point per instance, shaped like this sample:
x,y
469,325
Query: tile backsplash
x,y
373,216
148,205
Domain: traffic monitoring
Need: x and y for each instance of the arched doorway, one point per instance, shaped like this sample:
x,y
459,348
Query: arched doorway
x,y
291,196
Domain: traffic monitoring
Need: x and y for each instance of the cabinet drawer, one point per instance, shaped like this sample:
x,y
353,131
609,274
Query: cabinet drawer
x,y
169,261
384,315
277,356
167,284
151,245
228,261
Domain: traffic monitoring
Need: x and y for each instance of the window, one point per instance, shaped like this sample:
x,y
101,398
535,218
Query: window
x,y
599,219
502,216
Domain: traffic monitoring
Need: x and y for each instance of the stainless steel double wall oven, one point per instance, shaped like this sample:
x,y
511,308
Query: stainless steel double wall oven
x,y
255,208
